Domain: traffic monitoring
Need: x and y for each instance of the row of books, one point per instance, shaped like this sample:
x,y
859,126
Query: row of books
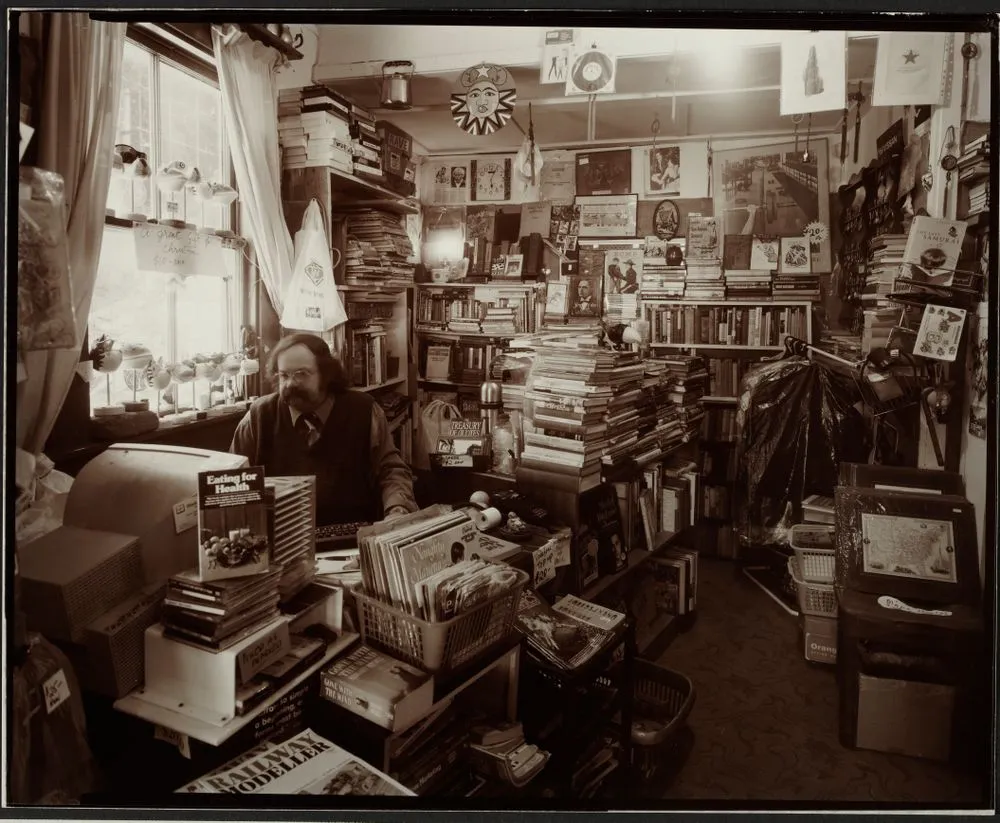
x,y
466,360
675,581
725,375
720,425
367,353
716,502
727,326
495,310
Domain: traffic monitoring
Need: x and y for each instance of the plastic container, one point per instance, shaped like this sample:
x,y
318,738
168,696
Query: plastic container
x,y
814,598
663,699
441,647
813,545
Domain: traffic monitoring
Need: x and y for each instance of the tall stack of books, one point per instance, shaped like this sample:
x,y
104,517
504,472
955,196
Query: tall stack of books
x,y
362,263
292,138
975,159
499,321
217,614
323,123
384,232
878,324
742,281
979,198
704,261
366,144
663,270
687,375
884,260
668,427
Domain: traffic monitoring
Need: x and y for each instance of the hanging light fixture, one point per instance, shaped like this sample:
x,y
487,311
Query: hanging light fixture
x,y
396,76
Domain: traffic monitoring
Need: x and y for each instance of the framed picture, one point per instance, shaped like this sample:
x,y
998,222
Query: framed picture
x,y
557,298
666,219
794,257
789,193
608,216
663,170
604,172
585,295
513,263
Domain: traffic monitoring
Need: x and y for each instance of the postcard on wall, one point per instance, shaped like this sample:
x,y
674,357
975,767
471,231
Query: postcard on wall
x,y
558,178
604,172
536,217
813,72
910,68
451,182
933,247
655,248
794,258
232,523
612,216
940,333
916,548
556,53
663,170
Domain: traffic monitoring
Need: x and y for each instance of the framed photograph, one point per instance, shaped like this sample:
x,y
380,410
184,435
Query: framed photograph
x,y
788,192
794,257
585,295
666,219
663,170
604,172
918,546
513,263
608,216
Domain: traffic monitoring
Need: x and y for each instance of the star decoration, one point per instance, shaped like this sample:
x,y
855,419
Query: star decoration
x,y
483,71
911,56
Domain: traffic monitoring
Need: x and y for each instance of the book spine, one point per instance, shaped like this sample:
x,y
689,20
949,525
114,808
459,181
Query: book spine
x,y
343,694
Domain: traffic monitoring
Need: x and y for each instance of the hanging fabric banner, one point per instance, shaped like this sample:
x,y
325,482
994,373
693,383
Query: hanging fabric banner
x,y
311,301
909,68
813,72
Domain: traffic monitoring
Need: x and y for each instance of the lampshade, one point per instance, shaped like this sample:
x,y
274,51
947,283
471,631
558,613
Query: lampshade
x,y
396,76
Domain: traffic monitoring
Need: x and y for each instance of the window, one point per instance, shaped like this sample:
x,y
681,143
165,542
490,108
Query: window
x,y
167,112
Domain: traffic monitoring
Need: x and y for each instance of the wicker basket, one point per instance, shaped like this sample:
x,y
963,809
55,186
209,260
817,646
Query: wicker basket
x,y
814,598
813,546
441,647
662,702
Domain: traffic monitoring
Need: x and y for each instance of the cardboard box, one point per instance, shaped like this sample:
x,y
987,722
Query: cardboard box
x,y
819,635
905,717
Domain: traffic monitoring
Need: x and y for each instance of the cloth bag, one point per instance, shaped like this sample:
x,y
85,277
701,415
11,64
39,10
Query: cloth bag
x,y
311,300
433,418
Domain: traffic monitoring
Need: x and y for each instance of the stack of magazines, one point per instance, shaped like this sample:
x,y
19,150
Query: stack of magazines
x,y
569,633
417,563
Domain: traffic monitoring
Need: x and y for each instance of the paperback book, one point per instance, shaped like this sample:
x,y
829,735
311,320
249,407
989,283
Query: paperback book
x,y
932,249
232,523
566,641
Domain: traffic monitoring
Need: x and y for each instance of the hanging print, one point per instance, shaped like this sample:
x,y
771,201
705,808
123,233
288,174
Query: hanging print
x,y
663,170
813,72
485,101
555,56
909,68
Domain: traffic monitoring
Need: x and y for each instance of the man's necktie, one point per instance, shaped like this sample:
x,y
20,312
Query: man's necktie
x,y
308,427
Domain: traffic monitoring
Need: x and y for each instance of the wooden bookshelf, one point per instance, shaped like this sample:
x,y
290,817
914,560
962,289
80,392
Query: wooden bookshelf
x,y
363,194
394,382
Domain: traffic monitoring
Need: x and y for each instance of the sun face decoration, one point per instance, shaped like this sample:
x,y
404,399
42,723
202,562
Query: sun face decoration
x,y
484,105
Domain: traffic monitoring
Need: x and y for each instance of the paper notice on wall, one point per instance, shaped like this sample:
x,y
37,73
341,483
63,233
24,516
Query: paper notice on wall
x,y
177,251
558,178
556,54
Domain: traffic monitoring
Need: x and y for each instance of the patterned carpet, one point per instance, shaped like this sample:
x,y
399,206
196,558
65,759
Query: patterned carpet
x,y
765,720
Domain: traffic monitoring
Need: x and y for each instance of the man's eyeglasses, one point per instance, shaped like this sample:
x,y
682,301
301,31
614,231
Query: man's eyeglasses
x,y
297,375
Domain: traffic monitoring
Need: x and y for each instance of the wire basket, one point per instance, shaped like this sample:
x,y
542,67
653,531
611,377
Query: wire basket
x,y
813,547
814,598
442,647
663,699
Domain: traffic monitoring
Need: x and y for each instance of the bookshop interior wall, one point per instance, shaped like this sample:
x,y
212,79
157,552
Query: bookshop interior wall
x,y
387,418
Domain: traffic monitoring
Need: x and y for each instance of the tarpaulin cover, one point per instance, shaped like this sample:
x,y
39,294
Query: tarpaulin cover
x,y
796,424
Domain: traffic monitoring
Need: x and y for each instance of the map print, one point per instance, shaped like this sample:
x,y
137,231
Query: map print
x,y
908,547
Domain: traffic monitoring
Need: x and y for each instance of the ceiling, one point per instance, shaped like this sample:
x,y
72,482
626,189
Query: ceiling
x,y
734,93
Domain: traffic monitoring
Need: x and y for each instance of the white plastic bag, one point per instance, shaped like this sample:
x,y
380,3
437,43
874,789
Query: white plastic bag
x,y
311,300
432,419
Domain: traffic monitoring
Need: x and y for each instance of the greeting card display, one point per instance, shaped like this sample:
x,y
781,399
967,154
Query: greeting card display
x,y
232,523
916,546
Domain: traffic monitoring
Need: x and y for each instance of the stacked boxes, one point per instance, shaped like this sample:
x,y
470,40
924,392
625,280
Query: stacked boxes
x,y
314,129
397,149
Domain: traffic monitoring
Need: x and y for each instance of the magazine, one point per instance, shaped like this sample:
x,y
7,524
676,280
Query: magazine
x,y
232,523
565,641
303,764
932,249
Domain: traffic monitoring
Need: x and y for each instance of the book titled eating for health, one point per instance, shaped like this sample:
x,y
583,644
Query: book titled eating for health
x,y
232,523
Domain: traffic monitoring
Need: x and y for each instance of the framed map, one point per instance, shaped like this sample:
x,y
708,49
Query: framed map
x,y
908,547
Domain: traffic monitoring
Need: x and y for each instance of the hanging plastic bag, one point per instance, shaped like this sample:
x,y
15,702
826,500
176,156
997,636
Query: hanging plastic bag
x,y
311,300
432,422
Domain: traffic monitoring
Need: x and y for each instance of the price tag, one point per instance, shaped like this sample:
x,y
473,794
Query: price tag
x,y
174,738
56,691
545,564
561,547
186,514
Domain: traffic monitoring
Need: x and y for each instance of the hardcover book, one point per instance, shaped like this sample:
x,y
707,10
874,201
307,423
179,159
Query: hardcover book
x,y
232,523
737,254
389,692
932,249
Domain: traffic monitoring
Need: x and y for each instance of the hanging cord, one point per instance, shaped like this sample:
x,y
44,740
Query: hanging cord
x,y
708,145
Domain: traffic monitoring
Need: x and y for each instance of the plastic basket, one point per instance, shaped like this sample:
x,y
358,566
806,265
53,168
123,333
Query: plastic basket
x,y
441,647
814,550
814,598
663,699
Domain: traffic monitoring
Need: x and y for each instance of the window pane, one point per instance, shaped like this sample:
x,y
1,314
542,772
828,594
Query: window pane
x,y
130,307
191,131
201,316
128,194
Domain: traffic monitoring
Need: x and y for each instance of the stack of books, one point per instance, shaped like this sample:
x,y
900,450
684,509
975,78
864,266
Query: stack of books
x,y
975,160
217,614
430,756
743,282
499,321
687,377
322,122
366,144
704,262
795,287
292,138
979,198
885,257
847,346
663,270
386,237
878,323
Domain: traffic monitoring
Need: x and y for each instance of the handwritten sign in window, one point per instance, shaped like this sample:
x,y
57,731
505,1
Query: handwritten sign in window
x,y
177,251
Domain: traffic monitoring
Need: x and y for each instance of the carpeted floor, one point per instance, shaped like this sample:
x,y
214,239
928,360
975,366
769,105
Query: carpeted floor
x,y
765,720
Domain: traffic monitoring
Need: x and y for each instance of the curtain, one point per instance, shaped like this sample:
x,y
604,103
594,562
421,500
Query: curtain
x,y
77,125
250,104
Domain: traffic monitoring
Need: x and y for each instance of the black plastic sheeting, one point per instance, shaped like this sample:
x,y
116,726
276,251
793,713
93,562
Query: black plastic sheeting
x,y
797,422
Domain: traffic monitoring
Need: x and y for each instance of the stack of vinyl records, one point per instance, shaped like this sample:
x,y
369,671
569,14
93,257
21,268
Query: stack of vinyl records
x,y
385,233
292,523
217,614
748,284
885,256
366,145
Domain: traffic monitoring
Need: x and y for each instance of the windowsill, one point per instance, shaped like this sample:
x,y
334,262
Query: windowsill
x,y
228,239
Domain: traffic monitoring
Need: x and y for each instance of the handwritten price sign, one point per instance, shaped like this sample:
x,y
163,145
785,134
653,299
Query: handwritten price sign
x,y
56,691
177,251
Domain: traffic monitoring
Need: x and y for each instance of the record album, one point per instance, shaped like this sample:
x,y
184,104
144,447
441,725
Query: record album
x,y
592,72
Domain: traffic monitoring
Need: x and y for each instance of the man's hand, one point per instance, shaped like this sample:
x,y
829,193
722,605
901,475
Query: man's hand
x,y
395,513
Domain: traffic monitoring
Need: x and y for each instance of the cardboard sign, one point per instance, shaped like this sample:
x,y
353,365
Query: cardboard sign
x,y
56,691
544,561
177,251
174,738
